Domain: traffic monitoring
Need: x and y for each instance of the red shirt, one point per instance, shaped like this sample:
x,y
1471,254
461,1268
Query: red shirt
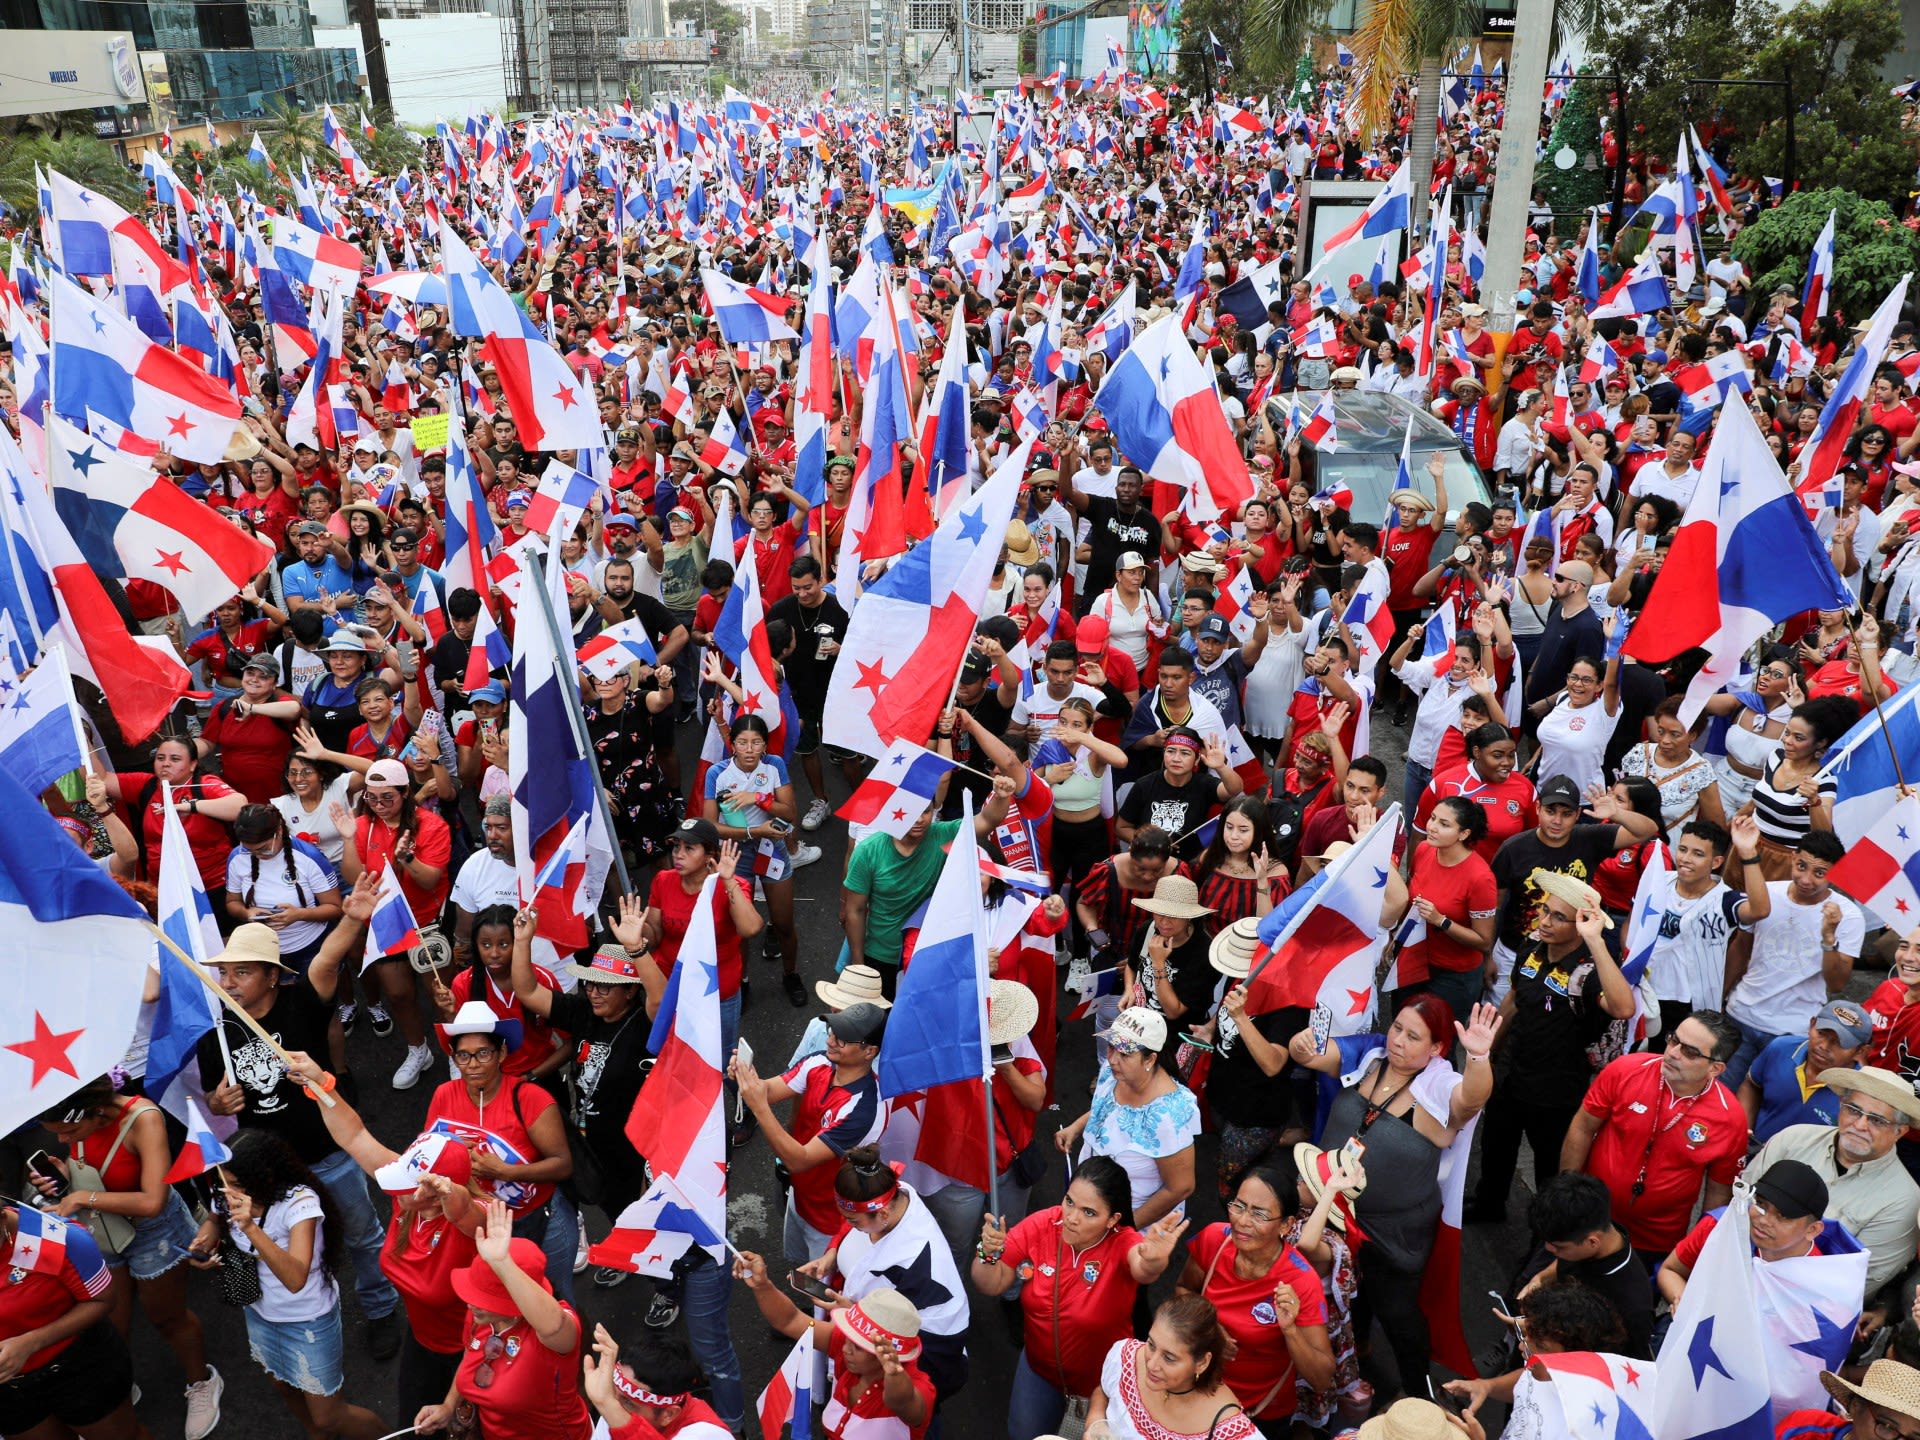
x,y
360,739
40,1298
498,1128
536,1036
535,1394
212,845
225,657
1834,678
421,1263
432,845
1687,1252
1077,1302
1463,893
771,557
1896,1029
844,1116
1406,553
1305,711
1026,836
270,513
869,1417
253,751
1697,1136
1509,805
1260,1374
1618,876
670,898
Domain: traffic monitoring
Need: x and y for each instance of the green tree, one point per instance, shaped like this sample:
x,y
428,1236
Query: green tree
x,y
1573,191
1252,74
81,158
1871,249
293,135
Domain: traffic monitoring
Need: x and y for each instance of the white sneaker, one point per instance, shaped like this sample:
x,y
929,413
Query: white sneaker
x,y
816,815
419,1058
805,855
203,1405
580,1253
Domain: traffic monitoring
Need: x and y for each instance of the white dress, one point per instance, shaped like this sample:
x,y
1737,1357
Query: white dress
x,y
1128,1417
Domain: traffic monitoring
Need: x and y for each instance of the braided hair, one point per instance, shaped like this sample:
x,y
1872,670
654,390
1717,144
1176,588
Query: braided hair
x,y
263,822
477,970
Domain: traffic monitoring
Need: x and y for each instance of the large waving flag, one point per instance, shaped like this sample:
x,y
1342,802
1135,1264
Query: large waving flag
x,y
1385,213
471,532
1322,951
1650,899
42,735
1817,294
1826,451
130,522
745,315
1602,1396
910,632
946,419
1712,1381
103,363
316,260
185,1008
741,635
1862,765
1744,559
73,968
141,681
615,648
1881,869
1640,291
554,407
1166,417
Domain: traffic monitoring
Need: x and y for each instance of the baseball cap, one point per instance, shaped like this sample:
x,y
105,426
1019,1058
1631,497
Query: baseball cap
x,y
1558,791
1130,560
388,772
1847,1021
977,668
1795,1190
1213,628
696,831
1090,635
309,527
267,665
862,1024
492,693
620,520
1139,1027
429,1155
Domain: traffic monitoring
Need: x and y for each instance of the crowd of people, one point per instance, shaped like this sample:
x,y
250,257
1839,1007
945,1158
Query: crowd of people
x,y
1173,722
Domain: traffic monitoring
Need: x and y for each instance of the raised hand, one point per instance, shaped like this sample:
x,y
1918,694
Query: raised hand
x,y
1477,1036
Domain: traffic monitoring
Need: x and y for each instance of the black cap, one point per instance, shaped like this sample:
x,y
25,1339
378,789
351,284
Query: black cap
x,y
862,1024
1794,1190
1559,790
696,831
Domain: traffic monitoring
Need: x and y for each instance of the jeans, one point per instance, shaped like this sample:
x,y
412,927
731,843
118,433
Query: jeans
x,y
362,1232
800,1241
1035,1407
958,1210
729,1037
1418,778
1752,1042
704,1292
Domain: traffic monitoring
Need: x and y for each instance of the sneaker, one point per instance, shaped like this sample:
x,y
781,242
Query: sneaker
x,y
419,1058
203,1405
662,1311
383,1335
742,1131
606,1277
796,989
816,815
580,1252
381,1021
805,855
348,1014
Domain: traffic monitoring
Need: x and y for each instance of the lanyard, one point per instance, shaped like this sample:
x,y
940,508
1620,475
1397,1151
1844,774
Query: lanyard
x,y
1646,1156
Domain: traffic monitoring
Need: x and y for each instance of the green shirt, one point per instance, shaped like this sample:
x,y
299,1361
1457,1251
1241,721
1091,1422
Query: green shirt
x,y
896,885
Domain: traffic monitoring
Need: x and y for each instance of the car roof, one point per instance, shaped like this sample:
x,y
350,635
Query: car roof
x,y
1372,420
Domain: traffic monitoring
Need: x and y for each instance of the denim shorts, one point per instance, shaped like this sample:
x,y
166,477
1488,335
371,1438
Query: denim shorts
x,y
159,1242
304,1354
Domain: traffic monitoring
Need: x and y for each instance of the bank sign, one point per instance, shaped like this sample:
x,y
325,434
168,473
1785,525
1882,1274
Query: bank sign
x,y
51,70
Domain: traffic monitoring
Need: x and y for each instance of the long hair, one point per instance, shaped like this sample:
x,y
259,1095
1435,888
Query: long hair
x,y
1255,810
254,824
266,1167
477,972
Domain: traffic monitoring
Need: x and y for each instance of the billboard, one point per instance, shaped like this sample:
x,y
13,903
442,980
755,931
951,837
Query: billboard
x,y
69,70
665,50
1154,29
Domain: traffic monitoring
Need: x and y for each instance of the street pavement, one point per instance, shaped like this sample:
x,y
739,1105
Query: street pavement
x,y
773,1028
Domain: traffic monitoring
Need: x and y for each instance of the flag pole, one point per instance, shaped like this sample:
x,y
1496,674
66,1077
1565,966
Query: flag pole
x,y
252,1024
1881,716
219,1031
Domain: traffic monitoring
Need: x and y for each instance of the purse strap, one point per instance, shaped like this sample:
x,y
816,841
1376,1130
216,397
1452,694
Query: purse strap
x,y
135,1110
1220,1415
1286,1376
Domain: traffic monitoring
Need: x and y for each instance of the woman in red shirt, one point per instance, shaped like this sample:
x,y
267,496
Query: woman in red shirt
x,y
490,979
272,501
206,805
53,1315
253,732
1490,781
1455,897
519,1376
1082,1265
229,642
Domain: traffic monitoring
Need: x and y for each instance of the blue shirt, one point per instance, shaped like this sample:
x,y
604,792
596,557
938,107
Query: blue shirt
x,y
1779,1074
301,581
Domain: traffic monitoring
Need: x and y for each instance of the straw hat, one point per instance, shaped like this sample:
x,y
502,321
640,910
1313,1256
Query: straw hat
x,y
1315,1166
1410,1419
1233,948
1887,1384
1466,383
1411,497
1885,1085
1576,893
1177,896
364,507
1021,547
1198,562
856,985
610,965
883,1314
252,944
1011,1010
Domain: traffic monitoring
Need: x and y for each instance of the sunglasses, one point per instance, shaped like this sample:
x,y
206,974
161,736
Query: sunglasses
x,y
483,1372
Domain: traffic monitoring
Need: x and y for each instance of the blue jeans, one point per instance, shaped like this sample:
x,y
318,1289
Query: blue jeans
x,y
704,1293
799,1241
362,1232
1035,1407
729,1037
1752,1042
1418,778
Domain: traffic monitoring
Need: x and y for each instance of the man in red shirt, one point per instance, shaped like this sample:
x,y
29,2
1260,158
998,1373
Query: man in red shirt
x,y
1406,548
1654,1127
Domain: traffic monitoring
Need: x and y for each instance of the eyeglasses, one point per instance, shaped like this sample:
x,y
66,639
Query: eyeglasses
x,y
1776,672
1239,1209
1878,1122
598,987
464,1058
1692,1052
494,1349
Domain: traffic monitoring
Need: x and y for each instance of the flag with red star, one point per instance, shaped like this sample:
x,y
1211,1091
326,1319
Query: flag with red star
x,y
1882,870
1323,951
899,789
72,972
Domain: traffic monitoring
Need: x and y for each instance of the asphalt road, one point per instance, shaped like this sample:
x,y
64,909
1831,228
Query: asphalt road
x,y
773,1027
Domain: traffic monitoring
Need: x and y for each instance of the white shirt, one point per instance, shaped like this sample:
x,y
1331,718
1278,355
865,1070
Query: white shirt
x,y
485,879
1721,271
1866,541
289,880
1573,743
1438,711
1514,453
317,1297
915,1242
1043,710
317,825
1654,480
1689,960
1783,985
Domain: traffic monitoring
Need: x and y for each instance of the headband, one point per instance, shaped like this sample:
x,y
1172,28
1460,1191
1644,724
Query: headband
x,y
868,1207
640,1395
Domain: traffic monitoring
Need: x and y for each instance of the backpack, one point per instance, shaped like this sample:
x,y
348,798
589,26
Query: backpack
x,y
1286,809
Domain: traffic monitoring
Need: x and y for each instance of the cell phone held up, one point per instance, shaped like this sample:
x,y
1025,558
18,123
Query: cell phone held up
x,y
814,1289
41,1165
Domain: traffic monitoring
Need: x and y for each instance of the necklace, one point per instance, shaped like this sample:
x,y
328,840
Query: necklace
x,y
1377,1103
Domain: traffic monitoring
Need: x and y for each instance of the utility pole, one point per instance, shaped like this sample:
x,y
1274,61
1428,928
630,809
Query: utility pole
x,y
377,84
1519,141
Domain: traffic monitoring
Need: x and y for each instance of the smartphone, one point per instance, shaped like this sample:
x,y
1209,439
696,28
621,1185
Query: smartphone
x,y
1322,1028
41,1164
815,1290
742,1051
779,826
1444,1399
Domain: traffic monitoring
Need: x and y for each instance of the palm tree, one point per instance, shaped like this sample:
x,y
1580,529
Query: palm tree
x,y
292,135
81,158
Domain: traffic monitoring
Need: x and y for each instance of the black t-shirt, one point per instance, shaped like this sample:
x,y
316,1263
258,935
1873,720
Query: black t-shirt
x,y
1239,1092
1513,866
332,711
297,1021
1555,1019
1622,1279
994,718
1192,979
807,673
1176,809
450,663
1562,642
1110,534
607,1075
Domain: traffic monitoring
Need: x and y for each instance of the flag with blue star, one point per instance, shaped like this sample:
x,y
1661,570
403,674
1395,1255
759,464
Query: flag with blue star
x,y
1713,1375
40,726
1809,1305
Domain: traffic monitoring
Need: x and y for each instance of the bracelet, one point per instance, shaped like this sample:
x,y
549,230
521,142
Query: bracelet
x,y
1481,1058
980,1254
1750,859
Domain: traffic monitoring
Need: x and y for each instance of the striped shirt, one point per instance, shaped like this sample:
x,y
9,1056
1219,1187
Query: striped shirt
x,y
1782,813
